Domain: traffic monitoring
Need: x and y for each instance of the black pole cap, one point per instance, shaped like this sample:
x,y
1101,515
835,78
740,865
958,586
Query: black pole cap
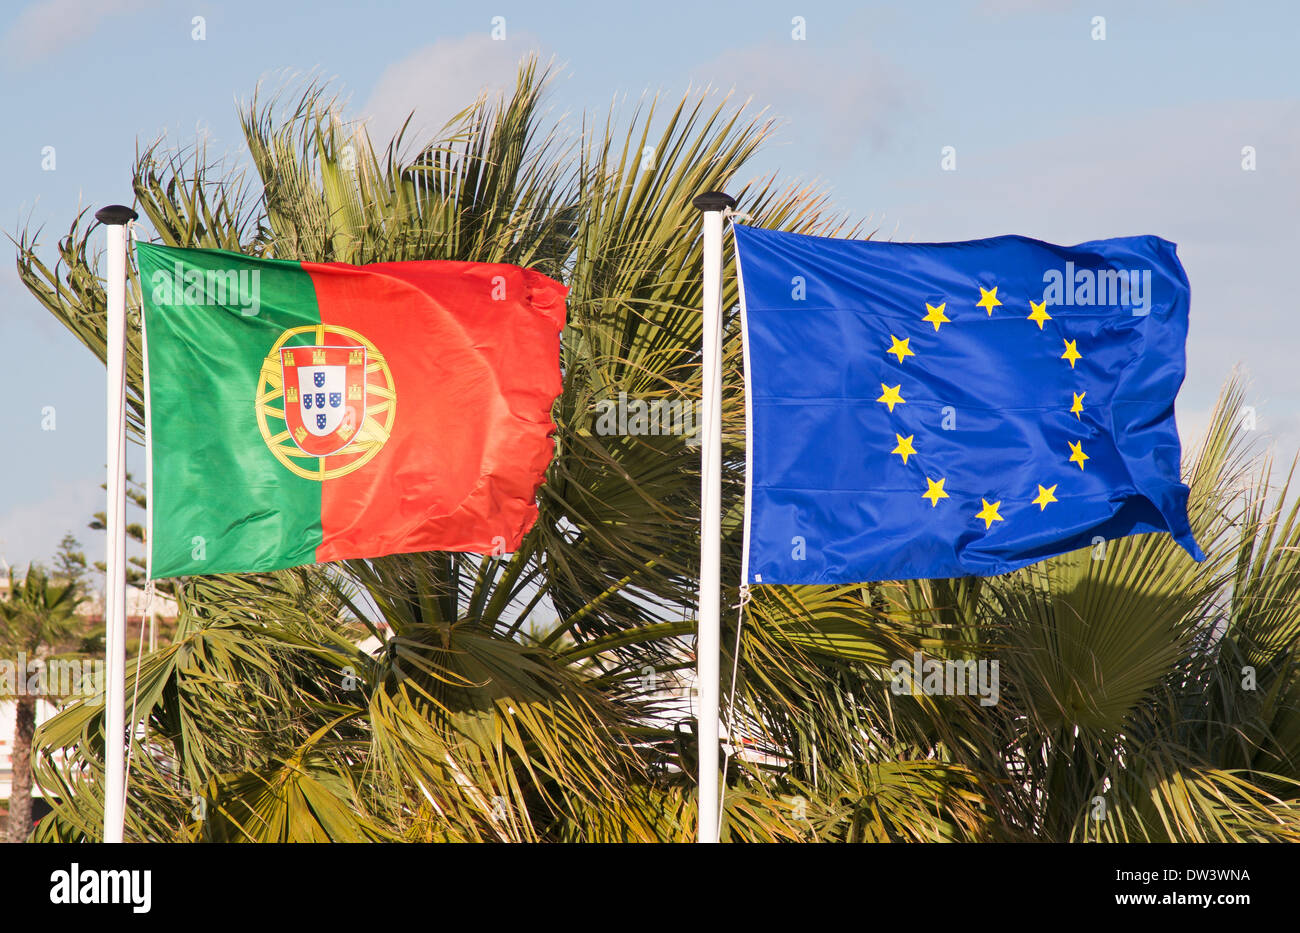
x,y
713,201
115,215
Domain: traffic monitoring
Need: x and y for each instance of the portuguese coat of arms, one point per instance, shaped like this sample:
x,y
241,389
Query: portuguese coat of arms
x,y
324,396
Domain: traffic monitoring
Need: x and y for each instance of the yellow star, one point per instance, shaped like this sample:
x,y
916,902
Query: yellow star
x,y
1078,456
900,348
891,396
935,315
935,492
904,446
1071,353
988,299
1077,407
1039,313
1045,495
989,513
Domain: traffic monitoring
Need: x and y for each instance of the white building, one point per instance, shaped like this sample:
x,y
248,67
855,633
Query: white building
x,y
93,611
8,712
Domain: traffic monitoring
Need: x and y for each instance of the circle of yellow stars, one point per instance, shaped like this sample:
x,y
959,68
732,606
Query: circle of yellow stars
x,y
890,396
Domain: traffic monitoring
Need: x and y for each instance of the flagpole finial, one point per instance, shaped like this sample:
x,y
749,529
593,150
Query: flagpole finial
x,y
713,201
115,215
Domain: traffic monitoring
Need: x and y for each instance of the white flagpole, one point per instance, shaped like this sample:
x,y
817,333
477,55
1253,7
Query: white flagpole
x,y
708,647
115,218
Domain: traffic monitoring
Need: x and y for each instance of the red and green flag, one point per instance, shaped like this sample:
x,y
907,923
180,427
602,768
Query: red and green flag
x,y
302,412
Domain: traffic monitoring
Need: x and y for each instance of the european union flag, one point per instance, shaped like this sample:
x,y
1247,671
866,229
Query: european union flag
x,y
943,409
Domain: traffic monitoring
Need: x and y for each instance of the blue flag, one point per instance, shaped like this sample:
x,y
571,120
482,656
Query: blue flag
x,y
942,409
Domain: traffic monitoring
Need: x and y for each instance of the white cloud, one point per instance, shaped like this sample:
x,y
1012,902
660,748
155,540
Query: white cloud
x,y
47,26
1012,7
833,100
440,80
32,531
1176,172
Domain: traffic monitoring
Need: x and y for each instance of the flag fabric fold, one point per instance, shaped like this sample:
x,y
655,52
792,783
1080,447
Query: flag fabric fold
x,y
304,412
951,409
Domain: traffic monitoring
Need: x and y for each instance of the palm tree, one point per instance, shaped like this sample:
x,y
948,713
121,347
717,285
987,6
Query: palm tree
x,y
37,618
540,696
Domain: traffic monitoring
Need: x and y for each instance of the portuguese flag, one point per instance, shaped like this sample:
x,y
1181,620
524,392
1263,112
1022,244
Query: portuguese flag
x,y
301,412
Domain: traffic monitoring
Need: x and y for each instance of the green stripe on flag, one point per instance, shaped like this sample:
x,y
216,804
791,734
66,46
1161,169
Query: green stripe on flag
x,y
221,499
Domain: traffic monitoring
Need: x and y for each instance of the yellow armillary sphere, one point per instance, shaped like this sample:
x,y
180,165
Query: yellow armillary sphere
x,y
321,435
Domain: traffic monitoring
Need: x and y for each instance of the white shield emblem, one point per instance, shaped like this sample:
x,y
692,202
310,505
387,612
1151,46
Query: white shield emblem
x,y
320,397
324,396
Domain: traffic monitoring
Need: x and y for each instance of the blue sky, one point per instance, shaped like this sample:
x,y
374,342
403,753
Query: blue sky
x,y
1058,136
